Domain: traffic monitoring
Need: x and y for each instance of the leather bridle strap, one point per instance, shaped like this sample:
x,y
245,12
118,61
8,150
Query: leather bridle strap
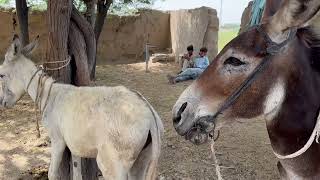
x,y
272,49
244,86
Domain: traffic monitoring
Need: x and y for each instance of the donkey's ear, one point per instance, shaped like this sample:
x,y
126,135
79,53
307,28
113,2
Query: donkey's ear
x,y
292,14
28,49
13,50
16,45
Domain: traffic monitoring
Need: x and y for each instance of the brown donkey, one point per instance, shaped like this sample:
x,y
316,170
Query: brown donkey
x,y
270,72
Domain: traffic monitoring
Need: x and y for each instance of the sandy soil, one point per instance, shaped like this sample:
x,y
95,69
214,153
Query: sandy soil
x,y
243,148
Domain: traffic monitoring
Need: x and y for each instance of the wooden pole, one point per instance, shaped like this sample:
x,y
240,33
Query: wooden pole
x,y
147,57
148,46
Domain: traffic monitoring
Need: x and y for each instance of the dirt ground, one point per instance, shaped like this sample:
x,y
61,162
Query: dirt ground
x,y
244,149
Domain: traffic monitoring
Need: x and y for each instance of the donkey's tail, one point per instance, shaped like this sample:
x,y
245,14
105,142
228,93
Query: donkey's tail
x,y
156,130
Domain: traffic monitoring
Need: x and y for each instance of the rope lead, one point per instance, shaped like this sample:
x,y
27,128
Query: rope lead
x,y
213,152
41,86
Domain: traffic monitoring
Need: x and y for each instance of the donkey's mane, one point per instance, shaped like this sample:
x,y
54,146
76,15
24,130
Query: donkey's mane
x,y
312,41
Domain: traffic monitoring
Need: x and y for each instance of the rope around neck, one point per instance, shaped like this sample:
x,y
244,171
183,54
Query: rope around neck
x,y
41,87
66,63
39,96
41,68
314,136
32,78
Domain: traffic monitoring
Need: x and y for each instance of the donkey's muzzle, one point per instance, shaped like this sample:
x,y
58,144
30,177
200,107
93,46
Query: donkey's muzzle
x,y
207,123
197,136
201,131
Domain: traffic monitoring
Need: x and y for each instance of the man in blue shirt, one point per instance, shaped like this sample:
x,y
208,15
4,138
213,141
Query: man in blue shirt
x,y
200,64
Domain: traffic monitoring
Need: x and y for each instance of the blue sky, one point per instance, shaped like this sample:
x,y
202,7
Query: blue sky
x,y
231,9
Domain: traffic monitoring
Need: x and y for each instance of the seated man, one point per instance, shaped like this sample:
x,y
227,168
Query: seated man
x,y
186,60
201,62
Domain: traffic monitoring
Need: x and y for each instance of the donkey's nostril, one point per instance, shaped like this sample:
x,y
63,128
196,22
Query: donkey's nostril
x,y
177,119
183,107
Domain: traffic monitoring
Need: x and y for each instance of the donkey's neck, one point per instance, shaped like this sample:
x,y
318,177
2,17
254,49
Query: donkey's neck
x,y
32,77
292,127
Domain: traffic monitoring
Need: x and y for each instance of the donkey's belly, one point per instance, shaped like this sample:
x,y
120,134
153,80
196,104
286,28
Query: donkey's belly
x,y
81,144
87,126
80,151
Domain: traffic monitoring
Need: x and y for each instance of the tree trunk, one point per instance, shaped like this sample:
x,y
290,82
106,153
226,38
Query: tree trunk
x,y
91,11
58,18
84,169
102,10
90,169
22,13
76,46
89,37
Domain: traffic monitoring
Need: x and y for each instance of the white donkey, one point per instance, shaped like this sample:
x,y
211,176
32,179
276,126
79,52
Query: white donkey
x,y
112,124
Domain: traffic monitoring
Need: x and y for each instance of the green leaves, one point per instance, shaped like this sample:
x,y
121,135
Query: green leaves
x,y
127,7
34,4
120,7
4,1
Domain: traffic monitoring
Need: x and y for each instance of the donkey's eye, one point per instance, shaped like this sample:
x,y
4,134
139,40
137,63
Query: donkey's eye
x,y
2,76
233,61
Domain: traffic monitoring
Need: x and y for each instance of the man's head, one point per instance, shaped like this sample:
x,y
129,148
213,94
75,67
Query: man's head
x,y
203,51
190,49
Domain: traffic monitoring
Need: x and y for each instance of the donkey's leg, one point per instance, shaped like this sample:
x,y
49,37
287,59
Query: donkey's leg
x,y
110,164
57,149
142,166
282,171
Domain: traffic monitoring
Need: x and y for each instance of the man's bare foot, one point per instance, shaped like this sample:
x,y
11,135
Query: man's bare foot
x,y
171,79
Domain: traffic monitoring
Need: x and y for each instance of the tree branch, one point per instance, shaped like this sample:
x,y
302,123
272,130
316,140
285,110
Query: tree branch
x,y
22,13
91,11
102,10
89,37
76,45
